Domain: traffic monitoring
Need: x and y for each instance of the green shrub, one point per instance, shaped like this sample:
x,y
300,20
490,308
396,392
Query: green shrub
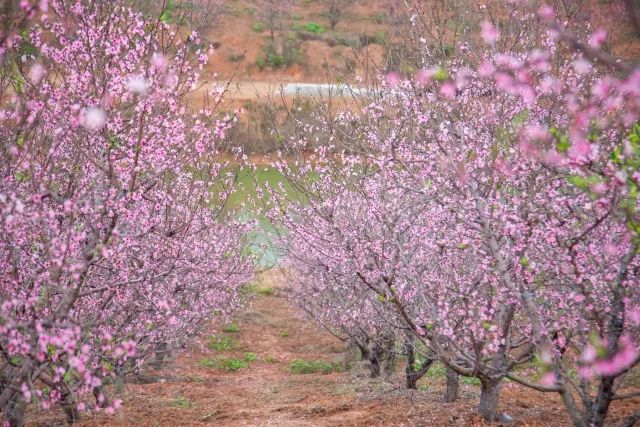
x,y
182,402
231,328
227,363
284,334
250,357
275,60
300,366
259,27
270,359
231,364
236,57
313,27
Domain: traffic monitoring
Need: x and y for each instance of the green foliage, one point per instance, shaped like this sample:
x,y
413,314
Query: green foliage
x,y
300,366
221,343
520,118
314,28
284,334
270,359
27,48
167,14
441,75
562,140
250,357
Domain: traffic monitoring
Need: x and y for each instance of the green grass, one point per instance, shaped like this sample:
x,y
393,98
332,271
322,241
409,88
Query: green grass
x,y
230,364
221,343
437,371
250,357
182,402
254,288
266,291
284,334
231,328
470,380
300,366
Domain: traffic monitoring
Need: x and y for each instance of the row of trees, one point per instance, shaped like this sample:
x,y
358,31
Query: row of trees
x,y
113,248
482,213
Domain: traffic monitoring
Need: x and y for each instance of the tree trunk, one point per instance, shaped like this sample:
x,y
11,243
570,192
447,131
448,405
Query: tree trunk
x,y
374,366
411,380
15,411
70,409
370,356
161,353
389,356
489,397
453,382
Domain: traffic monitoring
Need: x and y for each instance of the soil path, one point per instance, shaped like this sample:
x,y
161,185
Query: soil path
x,y
265,392
193,390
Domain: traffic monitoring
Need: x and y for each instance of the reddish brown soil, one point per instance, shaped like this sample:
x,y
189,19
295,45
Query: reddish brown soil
x,y
268,393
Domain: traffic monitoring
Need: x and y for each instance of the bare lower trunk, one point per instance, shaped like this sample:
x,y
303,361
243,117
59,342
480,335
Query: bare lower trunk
x,y
389,365
120,380
70,409
15,411
489,397
453,382
374,367
370,356
381,352
412,375
161,354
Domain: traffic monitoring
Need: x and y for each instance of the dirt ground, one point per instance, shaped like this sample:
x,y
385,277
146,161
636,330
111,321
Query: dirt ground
x,y
267,393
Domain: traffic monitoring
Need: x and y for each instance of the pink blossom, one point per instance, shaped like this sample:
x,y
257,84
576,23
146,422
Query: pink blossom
x,y
486,69
548,379
582,66
137,85
159,61
394,79
597,39
448,90
489,32
94,118
579,150
36,72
